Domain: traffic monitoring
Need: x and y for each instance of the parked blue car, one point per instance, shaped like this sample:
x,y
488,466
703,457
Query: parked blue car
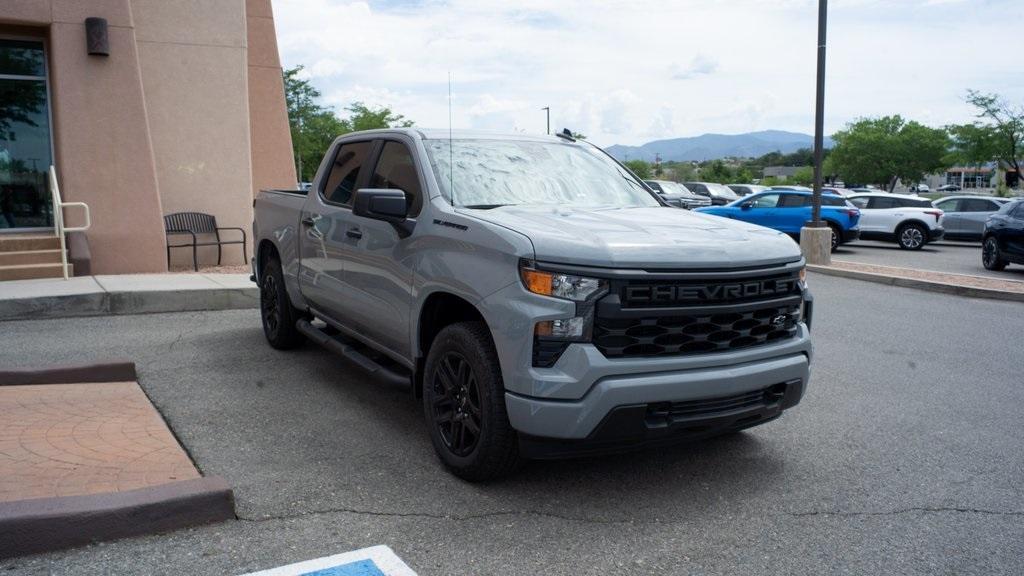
x,y
788,210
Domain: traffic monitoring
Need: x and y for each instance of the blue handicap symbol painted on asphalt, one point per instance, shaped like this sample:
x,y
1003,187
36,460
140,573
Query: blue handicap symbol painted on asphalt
x,y
372,561
360,568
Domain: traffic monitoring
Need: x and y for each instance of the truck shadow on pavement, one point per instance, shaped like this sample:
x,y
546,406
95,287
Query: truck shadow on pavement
x,y
356,444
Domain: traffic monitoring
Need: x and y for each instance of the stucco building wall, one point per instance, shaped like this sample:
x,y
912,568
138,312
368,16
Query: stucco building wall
x,y
163,123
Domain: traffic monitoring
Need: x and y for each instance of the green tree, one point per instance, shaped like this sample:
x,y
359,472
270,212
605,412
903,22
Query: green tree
x,y
804,176
641,168
997,136
362,117
716,171
314,126
743,175
884,150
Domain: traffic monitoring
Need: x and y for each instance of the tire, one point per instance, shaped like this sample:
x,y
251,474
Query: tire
x,y
837,235
990,256
464,404
276,309
911,236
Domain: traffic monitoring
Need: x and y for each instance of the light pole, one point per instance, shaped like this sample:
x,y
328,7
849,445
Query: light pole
x,y
819,113
547,109
816,237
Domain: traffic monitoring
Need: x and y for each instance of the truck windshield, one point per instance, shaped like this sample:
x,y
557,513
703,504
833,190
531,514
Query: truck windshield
x,y
492,173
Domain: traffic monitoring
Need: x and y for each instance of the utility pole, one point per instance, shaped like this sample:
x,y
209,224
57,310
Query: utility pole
x,y
819,113
815,236
547,109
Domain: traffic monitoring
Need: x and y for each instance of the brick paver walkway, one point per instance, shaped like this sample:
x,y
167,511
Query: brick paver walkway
x,y
72,439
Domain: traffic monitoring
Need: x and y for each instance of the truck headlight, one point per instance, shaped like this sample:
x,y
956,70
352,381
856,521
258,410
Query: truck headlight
x,y
551,337
567,286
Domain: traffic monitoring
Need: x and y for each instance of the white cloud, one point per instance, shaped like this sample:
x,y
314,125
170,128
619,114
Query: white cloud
x,y
700,65
627,71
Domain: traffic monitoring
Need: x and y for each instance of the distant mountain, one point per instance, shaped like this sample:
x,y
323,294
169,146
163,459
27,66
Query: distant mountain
x,y
714,146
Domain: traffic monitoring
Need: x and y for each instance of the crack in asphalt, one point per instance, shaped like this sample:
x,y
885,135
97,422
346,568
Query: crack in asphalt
x,y
927,509
587,520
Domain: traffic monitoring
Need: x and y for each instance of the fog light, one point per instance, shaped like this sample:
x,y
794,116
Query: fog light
x,y
569,328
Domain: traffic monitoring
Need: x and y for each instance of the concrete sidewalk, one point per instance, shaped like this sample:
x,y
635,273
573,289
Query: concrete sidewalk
x,y
947,283
125,294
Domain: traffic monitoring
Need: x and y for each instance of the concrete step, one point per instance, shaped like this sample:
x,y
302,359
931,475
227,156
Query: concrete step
x,y
25,242
23,257
30,271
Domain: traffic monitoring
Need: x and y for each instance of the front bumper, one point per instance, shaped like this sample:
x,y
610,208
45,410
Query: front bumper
x,y
642,382
850,234
638,426
935,234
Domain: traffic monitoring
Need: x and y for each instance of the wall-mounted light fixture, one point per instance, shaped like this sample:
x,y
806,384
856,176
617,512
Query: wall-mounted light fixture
x,y
97,40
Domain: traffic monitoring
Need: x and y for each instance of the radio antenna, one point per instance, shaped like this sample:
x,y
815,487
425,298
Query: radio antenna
x,y
451,150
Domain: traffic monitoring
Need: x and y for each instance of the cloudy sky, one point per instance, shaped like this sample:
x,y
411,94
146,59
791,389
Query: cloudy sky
x,y
631,71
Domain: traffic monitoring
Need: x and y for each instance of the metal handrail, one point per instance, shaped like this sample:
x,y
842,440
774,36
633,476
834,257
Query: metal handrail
x,y
58,219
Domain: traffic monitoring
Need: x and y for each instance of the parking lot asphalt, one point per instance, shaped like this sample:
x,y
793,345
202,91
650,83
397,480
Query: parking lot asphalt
x,y
944,256
905,457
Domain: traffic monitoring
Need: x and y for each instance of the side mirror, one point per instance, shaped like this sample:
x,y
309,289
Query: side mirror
x,y
386,204
747,205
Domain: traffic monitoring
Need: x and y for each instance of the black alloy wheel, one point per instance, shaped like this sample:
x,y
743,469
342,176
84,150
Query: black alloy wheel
x,y
276,309
990,256
464,404
456,408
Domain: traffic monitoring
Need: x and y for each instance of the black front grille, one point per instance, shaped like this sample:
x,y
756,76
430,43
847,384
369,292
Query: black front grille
x,y
738,309
710,407
694,334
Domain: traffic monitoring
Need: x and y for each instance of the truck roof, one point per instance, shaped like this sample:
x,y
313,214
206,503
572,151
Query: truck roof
x,y
444,134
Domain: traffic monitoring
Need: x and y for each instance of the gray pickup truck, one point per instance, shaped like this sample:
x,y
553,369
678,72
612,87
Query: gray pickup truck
x,y
538,298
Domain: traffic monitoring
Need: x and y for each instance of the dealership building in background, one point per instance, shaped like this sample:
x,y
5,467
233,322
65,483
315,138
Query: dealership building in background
x,y
154,107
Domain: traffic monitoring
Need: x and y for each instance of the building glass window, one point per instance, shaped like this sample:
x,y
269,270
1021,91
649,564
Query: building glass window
x,y
25,150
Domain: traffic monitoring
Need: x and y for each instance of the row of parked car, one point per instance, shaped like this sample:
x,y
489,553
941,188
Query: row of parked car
x,y
870,214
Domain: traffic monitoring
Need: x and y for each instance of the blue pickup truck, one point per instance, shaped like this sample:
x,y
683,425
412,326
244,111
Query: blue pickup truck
x,y
788,210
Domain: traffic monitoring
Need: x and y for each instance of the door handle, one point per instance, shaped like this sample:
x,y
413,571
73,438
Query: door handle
x,y
308,222
354,233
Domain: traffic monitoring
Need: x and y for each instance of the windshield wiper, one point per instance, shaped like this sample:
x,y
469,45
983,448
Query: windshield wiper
x,y
484,206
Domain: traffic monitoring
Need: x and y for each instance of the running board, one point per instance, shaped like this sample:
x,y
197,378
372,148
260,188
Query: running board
x,y
389,375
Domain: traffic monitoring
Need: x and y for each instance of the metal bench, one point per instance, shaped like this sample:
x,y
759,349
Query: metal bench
x,y
193,224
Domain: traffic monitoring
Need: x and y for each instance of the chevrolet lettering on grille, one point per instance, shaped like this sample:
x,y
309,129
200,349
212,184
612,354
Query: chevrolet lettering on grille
x,y
686,293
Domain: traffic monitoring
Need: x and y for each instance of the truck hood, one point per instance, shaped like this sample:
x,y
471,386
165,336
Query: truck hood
x,y
649,238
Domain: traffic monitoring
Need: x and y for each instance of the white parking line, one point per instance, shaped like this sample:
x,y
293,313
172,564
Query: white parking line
x,y
373,561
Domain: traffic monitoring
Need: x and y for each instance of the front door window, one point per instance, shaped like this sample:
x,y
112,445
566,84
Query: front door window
x,y
25,153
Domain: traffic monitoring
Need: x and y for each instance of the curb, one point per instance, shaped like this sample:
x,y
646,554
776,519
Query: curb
x,y
118,303
46,524
954,289
116,371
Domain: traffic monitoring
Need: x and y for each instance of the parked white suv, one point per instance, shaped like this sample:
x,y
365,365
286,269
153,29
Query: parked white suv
x,y
909,221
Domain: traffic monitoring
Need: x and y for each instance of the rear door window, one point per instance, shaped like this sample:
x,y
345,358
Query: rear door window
x,y
881,203
793,201
396,170
345,170
977,205
948,205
